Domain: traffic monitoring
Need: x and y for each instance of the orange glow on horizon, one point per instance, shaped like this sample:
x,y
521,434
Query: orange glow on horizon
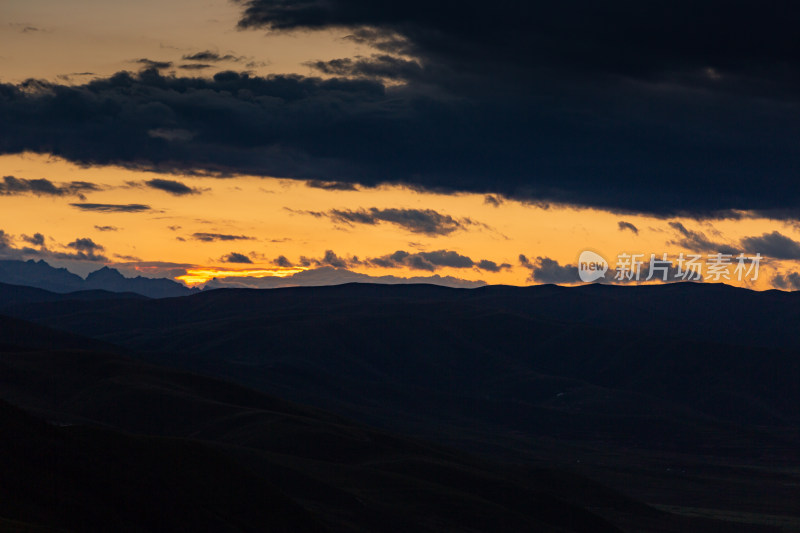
x,y
198,276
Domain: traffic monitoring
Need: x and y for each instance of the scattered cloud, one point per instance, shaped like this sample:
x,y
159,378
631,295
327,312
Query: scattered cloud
x,y
5,240
235,257
329,259
546,270
773,245
83,249
176,188
195,66
698,242
106,228
627,226
331,185
37,239
214,237
152,64
209,56
432,261
425,221
491,266
112,208
788,281
43,187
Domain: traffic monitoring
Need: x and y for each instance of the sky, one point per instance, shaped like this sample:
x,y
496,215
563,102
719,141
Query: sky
x,y
256,140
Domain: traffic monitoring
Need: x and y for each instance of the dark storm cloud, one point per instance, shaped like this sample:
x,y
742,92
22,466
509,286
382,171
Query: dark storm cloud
x,y
671,108
331,185
426,221
113,208
43,187
627,225
431,261
790,281
235,257
773,245
171,186
213,237
508,37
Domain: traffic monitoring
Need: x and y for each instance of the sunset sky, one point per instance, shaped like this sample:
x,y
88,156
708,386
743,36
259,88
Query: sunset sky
x,y
249,139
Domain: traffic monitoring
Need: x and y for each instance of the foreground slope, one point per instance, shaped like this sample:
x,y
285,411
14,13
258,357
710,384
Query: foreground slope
x,y
212,456
684,396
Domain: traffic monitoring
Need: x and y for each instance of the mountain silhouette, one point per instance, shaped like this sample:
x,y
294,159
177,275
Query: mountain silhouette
x,y
41,275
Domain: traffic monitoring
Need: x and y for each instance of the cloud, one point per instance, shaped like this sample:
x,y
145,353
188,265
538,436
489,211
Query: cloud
x,y
213,237
112,208
80,249
627,225
153,64
493,200
194,66
235,257
282,261
331,185
432,261
698,242
617,64
520,99
773,245
209,56
37,239
376,66
173,187
425,221
85,250
491,266
329,259
546,270
789,281
151,269
106,228
44,187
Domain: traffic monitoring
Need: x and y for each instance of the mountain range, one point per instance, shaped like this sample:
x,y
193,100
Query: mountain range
x,y
41,275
